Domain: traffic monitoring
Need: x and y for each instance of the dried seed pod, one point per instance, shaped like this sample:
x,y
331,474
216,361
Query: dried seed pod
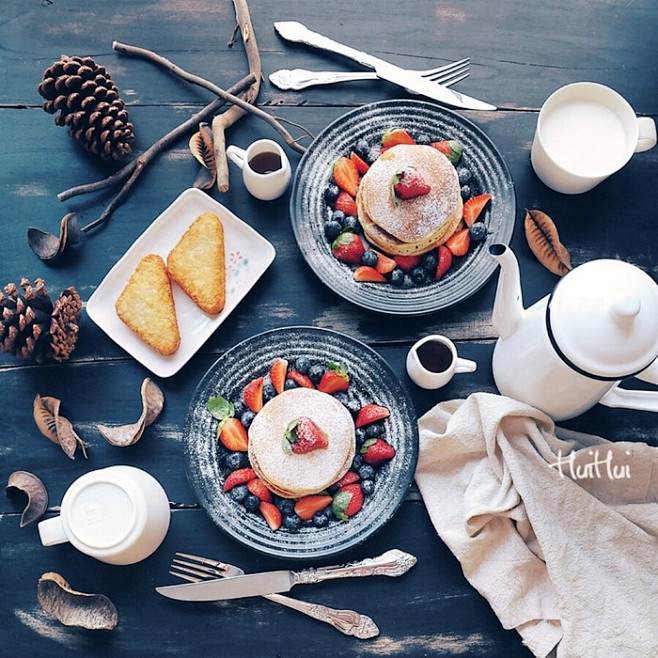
x,y
544,241
201,146
35,490
126,435
72,608
48,246
55,427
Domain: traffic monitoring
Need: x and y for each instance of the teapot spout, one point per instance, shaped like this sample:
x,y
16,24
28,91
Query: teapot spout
x,y
508,303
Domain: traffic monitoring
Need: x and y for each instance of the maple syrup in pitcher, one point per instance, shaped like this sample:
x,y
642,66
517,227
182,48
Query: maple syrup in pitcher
x,y
265,162
435,356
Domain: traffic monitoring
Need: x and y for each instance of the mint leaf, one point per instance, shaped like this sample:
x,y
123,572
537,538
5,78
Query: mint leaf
x,y
219,407
341,500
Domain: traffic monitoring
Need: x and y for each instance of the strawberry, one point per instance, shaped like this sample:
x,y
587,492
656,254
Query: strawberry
x,y
409,184
259,489
233,435
335,379
376,451
241,476
444,262
396,136
303,435
473,207
370,414
278,374
349,478
272,514
301,379
348,248
459,242
307,506
346,175
346,203
384,263
452,149
253,394
366,273
407,263
361,165
348,500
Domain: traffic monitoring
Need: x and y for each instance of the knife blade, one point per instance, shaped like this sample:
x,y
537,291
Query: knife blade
x,y
391,563
298,33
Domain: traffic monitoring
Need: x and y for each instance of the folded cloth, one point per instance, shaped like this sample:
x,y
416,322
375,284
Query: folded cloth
x,y
557,530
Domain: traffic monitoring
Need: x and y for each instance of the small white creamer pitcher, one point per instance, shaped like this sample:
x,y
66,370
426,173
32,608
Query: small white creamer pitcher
x,y
433,361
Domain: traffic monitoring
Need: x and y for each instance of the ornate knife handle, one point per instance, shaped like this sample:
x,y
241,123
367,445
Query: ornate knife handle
x,y
301,78
391,563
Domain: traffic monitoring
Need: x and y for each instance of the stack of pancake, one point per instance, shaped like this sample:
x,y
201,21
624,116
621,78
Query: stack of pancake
x,y
409,226
292,475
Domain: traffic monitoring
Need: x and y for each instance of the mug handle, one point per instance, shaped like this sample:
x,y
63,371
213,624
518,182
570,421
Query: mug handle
x,y
51,531
236,155
465,365
646,134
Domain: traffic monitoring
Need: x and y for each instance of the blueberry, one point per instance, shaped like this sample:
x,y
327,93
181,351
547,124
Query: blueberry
x,y
321,518
239,494
366,472
286,505
292,522
252,503
235,460
337,216
332,230
302,364
464,175
478,231
407,282
361,148
373,153
369,258
351,223
368,487
342,397
315,373
290,384
239,407
429,261
356,462
374,429
397,277
419,275
268,389
247,418
465,191
331,193
424,139
360,435
353,405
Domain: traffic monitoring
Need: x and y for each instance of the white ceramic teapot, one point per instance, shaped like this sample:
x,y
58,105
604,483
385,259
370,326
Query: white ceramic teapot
x,y
571,349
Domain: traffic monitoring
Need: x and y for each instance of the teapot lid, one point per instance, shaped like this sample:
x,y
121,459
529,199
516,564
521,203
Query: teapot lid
x,y
602,319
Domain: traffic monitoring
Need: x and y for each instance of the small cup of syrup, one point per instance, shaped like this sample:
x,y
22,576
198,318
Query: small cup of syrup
x,y
265,168
432,361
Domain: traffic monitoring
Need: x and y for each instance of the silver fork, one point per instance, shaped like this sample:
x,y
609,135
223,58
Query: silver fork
x,y
446,75
195,568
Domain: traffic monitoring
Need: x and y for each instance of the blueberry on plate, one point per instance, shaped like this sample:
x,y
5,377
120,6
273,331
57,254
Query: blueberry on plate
x,y
321,518
464,175
351,223
247,418
332,229
286,505
268,389
361,148
252,503
368,487
315,373
239,407
465,191
478,231
419,275
423,139
302,364
289,384
360,434
369,258
396,277
374,429
331,193
239,494
292,522
429,261
235,460
366,472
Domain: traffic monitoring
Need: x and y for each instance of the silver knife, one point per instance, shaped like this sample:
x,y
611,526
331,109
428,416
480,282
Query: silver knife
x,y
299,33
391,563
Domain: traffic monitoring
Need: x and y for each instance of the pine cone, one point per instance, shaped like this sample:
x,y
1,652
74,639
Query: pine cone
x,y
89,104
31,325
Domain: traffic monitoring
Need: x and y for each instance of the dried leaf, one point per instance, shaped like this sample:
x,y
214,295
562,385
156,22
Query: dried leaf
x,y
126,435
48,246
201,145
204,180
55,427
72,608
68,438
35,490
544,241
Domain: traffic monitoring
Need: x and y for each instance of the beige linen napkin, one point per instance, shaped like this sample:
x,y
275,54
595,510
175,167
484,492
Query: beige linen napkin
x,y
560,535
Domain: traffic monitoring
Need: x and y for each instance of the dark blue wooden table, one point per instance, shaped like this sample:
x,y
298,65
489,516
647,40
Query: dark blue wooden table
x,y
520,52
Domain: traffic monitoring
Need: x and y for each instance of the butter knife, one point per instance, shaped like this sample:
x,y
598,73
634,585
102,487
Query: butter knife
x,y
299,33
391,563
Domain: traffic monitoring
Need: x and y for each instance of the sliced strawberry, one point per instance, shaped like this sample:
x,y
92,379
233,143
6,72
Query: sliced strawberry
x,y
452,149
346,175
348,500
376,451
260,490
272,514
409,184
233,435
307,506
278,374
346,204
335,380
396,136
241,476
301,379
367,273
444,262
459,242
407,263
473,207
303,435
348,248
253,394
371,413
349,478
361,165
384,263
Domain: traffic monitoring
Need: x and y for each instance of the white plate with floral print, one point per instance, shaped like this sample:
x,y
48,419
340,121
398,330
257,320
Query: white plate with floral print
x,y
248,255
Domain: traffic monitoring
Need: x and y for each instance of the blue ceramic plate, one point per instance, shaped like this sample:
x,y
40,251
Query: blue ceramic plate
x,y
372,380
308,208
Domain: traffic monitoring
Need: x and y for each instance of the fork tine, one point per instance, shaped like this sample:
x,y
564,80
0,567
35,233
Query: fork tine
x,y
447,67
451,80
199,558
196,570
185,576
457,70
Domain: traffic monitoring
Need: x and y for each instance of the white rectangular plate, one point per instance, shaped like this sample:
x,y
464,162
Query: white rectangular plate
x,y
248,255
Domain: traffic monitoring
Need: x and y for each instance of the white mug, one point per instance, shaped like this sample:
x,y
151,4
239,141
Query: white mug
x,y
433,361
585,133
265,168
118,515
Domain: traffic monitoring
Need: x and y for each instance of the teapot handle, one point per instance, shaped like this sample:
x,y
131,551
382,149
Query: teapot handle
x,y
640,400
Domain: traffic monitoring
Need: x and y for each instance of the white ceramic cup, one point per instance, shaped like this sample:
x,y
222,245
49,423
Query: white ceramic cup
x,y
433,361
118,514
265,168
585,133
